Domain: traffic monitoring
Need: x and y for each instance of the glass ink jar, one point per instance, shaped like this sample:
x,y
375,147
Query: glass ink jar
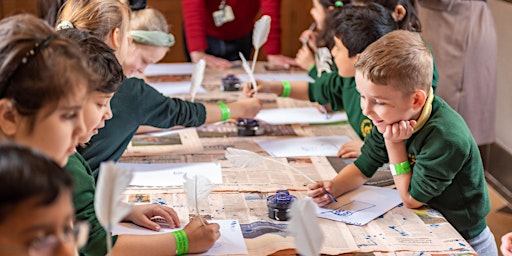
x,y
249,127
279,205
230,83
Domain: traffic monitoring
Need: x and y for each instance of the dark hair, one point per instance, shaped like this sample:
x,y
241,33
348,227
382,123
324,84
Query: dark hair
x,y
48,10
38,67
410,21
359,26
100,58
27,174
325,35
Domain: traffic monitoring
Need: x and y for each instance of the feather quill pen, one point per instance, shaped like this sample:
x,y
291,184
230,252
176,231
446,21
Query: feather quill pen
x,y
249,73
243,158
308,234
108,205
323,61
260,36
197,78
197,188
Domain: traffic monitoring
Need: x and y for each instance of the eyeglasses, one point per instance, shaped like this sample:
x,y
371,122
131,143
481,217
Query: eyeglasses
x,y
75,235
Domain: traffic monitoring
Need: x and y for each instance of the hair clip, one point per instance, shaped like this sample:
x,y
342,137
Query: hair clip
x,y
32,53
338,3
65,24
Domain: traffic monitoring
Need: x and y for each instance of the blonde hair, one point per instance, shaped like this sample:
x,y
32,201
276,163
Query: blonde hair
x,y
98,17
399,58
148,19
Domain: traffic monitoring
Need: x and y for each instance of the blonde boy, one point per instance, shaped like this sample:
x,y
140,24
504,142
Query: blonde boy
x,y
432,154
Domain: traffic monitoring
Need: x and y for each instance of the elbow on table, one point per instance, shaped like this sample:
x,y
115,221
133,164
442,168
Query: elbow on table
x,y
411,203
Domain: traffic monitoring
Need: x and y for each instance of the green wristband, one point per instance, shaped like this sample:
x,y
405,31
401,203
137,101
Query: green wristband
x,y
287,88
181,242
400,168
224,110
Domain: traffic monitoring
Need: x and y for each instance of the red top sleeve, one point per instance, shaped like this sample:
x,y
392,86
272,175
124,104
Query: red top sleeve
x,y
198,20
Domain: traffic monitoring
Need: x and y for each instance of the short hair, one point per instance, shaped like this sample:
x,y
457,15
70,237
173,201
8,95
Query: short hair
x,y
357,26
401,59
98,17
27,174
37,67
100,58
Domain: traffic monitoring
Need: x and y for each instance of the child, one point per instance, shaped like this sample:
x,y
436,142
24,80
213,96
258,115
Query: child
x,y
136,103
352,26
150,40
43,87
102,60
432,154
36,214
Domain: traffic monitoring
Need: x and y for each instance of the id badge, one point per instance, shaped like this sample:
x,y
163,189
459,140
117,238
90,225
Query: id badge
x,y
228,14
218,18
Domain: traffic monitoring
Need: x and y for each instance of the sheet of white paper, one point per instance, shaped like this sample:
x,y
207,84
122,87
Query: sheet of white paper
x,y
171,174
290,77
231,240
303,146
172,88
305,115
362,205
169,69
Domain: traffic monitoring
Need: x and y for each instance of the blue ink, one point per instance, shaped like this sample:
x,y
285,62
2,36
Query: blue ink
x,y
402,233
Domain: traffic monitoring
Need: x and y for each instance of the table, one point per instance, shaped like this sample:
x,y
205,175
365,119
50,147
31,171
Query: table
x,y
243,194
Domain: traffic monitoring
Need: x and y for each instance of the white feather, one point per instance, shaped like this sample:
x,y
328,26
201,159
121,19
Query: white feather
x,y
260,36
243,158
303,224
197,78
197,188
323,61
249,73
108,204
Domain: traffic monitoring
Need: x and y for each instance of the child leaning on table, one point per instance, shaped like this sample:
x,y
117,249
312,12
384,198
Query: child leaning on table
x,y
101,60
36,213
136,103
432,154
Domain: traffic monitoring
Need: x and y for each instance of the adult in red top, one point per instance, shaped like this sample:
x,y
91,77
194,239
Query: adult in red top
x,y
219,45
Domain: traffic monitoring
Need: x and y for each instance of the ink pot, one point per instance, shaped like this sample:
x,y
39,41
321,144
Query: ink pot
x,y
249,127
230,83
279,205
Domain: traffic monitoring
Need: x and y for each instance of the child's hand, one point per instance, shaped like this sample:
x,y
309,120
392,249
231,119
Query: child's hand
x,y
141,214
247,108
506,244
309,37
305,58
400,131
263,86
279,60
201,238
323,108
317,192
351,149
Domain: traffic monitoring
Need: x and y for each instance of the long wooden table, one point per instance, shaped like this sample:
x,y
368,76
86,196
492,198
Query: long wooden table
x,y
243,194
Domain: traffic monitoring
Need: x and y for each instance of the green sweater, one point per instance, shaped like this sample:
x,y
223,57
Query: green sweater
x,y
137,103
341,94
83,201
448,174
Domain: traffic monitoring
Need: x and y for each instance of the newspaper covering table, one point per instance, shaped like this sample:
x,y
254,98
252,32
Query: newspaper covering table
x,y
243,193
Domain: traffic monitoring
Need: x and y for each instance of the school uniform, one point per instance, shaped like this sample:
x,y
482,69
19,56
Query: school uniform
x,y
137,103
463,37
83,201
340,94
447,171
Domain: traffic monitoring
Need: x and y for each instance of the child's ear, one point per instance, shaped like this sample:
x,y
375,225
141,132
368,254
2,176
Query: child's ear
x,y
8,117
115,39
399,12
419,98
